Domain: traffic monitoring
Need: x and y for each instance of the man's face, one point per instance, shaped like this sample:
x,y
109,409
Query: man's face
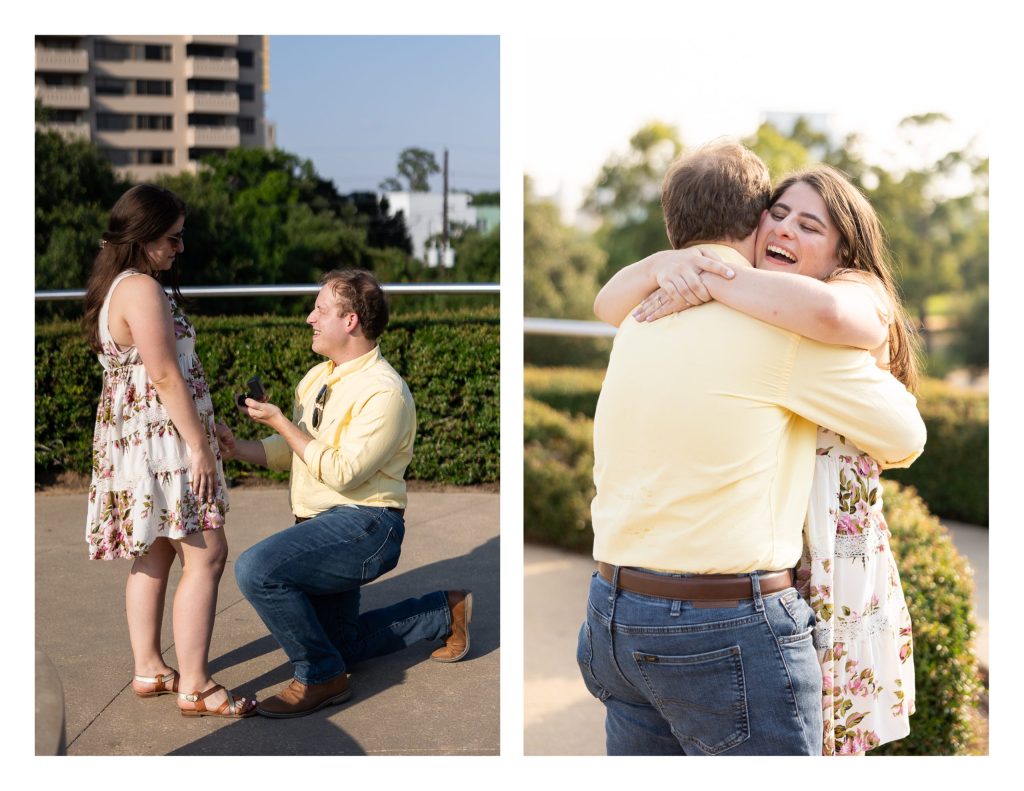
x,y
332,333
797,235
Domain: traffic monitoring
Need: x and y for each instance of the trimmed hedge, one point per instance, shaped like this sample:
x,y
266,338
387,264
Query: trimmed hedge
x,y
936,579
951,475
450,363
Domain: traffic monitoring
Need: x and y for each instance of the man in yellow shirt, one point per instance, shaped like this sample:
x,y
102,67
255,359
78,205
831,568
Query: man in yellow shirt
x,y
347,449
696,640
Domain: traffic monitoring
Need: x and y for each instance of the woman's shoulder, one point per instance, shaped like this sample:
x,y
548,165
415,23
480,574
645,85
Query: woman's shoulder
x,y
869,280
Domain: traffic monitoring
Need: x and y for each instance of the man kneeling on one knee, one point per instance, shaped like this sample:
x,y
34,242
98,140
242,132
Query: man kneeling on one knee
x,y
347,447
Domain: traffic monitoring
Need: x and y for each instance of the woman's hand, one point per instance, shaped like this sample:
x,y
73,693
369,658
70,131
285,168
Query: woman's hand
x,y
225,440
678,275
262,412
204,473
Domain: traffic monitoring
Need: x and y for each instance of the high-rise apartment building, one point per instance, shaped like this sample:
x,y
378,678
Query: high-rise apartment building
x,y
156,104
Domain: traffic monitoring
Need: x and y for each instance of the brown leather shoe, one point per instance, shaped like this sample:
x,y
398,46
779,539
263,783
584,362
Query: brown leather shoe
x,y
298,699
456,644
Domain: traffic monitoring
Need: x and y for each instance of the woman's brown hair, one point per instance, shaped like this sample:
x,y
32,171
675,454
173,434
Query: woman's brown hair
x,y
144,213
862,247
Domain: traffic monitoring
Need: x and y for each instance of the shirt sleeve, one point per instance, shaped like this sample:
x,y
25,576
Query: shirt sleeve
x,y
370,439
843,389
279,455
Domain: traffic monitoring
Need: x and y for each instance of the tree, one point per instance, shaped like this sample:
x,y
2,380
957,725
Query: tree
x,y
627,197
561,265
416,165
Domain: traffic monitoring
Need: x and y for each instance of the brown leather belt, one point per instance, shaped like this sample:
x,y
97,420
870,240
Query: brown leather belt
x,y
699,587
399,511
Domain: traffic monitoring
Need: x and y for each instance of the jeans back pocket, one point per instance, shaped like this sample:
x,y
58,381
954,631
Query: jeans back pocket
x,y
702,697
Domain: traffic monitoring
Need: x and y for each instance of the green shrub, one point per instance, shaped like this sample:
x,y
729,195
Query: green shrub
x,y
556,350
450,363
952,473
558,480
936,579
938,587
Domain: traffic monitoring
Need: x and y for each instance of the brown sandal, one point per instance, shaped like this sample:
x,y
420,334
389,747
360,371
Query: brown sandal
x,y
157,685
233,708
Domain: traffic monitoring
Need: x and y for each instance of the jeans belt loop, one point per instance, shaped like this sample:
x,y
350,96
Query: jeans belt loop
x,y
755,585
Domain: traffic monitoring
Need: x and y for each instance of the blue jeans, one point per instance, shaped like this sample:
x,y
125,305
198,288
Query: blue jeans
x,y
304,583
681,679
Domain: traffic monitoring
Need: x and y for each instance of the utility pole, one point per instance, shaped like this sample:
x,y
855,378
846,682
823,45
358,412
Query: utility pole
x,y
444,219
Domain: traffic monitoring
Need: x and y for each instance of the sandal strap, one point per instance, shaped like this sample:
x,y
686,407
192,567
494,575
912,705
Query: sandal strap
x,y
197,697
157,679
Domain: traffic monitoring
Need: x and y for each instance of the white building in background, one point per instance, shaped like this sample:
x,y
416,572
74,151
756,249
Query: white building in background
x,y
155,104
424,213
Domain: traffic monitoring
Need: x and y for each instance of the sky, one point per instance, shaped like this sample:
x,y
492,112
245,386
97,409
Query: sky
x,y
711,86
352,103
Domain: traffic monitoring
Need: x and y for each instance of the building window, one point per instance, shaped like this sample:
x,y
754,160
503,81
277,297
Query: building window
x,y
246,91
155,123
65,116
155,51
113,51
111,86
208,119
56,42
246,125
153,87
113,122
205,51
155,156
117,156
246,58
59,79
208,86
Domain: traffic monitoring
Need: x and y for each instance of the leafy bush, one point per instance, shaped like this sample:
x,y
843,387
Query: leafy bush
x,y
450,363
936,579
951,475
938,586
558,482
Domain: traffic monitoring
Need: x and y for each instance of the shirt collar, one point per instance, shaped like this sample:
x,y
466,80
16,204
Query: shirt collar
x,y
338,372
729,255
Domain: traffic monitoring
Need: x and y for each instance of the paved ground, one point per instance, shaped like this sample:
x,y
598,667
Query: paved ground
x,y
403,704
560,717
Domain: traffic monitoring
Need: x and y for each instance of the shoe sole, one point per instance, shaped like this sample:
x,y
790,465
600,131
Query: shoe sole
x,y
469,617
341,698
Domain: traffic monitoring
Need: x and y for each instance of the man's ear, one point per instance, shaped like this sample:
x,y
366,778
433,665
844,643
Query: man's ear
x,y
351,322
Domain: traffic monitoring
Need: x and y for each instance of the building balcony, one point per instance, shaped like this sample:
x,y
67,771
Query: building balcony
x,y
213,137
68,61
216,41
69,132
63,97
216,103
211,68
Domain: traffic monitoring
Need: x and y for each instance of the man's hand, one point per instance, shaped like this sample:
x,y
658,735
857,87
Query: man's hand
x,y
226,440
262,412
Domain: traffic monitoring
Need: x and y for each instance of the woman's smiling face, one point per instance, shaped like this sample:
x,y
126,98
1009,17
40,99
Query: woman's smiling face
x,y
797,235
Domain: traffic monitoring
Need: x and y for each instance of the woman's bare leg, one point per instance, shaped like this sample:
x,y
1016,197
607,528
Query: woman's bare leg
x,y
144,604
195,604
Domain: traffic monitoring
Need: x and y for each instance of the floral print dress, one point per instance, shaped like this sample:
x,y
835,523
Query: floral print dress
x,y
849,576
141,470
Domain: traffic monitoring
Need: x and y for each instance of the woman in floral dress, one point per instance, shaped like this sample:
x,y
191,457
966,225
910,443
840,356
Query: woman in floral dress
x,y
819,225
157,489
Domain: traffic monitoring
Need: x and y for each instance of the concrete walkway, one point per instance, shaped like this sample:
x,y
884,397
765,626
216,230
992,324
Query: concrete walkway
x,y
402,704
560,717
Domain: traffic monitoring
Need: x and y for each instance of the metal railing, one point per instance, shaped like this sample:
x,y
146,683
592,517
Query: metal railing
x,y
568,327
294,290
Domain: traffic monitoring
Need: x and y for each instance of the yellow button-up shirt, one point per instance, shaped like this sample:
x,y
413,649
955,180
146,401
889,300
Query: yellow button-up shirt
x,y
704,437
360,451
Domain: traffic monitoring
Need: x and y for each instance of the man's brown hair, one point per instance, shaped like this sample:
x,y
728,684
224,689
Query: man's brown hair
x,y
714,193
358,291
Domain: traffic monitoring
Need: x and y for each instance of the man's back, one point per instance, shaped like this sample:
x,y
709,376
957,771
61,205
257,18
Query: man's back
x,y
704,438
